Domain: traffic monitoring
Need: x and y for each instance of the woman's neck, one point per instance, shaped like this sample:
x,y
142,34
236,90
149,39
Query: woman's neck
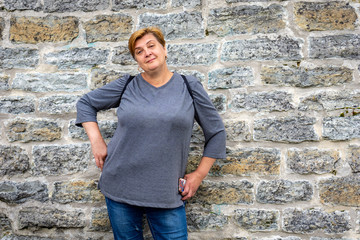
x,y
157,78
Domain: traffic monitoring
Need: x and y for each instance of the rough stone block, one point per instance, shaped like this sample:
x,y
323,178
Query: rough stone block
x,y
28,130
108,28
192,54
261,101
340,191
13,5
264,48
34,30
18,58
58,104
17,105
46,82
102,76
100,220
200,218
337,46
306,77
353,158
12,192
246,20
27,237
2,26
122,56
250,161
200,76
236,192
234,77
237,130
77,58
283,191
255,220
5,224
118,5
341,128
4,82
286,129
14,160
330,100
76,191
326,16
186,3
311,220
50,217
312,160
219,101
75,5
175,25
59,160
107,130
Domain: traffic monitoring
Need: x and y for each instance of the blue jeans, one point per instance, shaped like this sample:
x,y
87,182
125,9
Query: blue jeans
x,y
165,224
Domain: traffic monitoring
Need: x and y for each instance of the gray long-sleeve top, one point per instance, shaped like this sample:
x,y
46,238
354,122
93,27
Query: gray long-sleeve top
x,y
149,150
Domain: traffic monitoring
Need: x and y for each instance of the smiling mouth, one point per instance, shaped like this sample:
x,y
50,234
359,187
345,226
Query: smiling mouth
x,y
150,60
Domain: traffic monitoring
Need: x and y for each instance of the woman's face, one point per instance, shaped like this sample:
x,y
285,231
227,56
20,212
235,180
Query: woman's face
x,y
149,53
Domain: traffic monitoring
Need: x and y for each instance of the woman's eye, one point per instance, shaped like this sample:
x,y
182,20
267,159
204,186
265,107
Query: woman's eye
x,y
139,52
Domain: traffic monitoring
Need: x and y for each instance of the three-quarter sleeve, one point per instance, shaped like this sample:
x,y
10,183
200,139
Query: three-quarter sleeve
x,y
102,98
209,120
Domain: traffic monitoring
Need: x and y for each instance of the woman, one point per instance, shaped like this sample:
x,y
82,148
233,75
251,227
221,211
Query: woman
x,y
147,155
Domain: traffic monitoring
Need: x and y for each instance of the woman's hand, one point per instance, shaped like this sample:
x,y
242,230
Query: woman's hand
x,y
99,150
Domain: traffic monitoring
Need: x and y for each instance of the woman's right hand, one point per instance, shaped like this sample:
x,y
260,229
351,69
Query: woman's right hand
x,y
99,150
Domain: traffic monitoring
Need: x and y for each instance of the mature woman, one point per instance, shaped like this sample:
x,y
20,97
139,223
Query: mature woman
x,y
147,155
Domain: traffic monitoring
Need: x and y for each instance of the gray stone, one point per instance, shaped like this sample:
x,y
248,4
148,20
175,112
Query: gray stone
x,y
13,5
246,20
17,105
14,160
59,160
257,219
283,191
46,217
118,5
234,77
46,82
281,48
315,219
12,192
27,130
261,101
306,77
200,218
237,130
192,54
4,82
219,101
18,58
338,46
312,160
200,76
341,128
100,220
280,238
353,158
175,25
5,224
236,1
58,104
107,130
102,76
122,56
20,237
186,3
197,134
75,5
286,129
77,58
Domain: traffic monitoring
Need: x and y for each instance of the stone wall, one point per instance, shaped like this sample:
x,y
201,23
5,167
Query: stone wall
x,y
284,75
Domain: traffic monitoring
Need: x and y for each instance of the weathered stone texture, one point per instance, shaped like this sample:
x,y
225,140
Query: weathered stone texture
x,y
317,16
261,101
257,220
234,77
22,237
17,105
5,224
341,128
50,217
27,130
14,160
102,76
281,48
337,46
18,58
122,56
76,191
312,160
308,221
107,130
175,25
340,191
2,26
77,58
306,77
108,28
287,129
219,101
283,191
100,220
43,29
248,162
12,192
192,54
4,82
186,3
59,160
237,130
200,218
246,20
240,192
75,5
58,104
353,158
13,5
118,5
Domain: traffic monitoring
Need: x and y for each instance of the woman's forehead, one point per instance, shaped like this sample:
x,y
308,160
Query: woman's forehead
x,y
145,40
